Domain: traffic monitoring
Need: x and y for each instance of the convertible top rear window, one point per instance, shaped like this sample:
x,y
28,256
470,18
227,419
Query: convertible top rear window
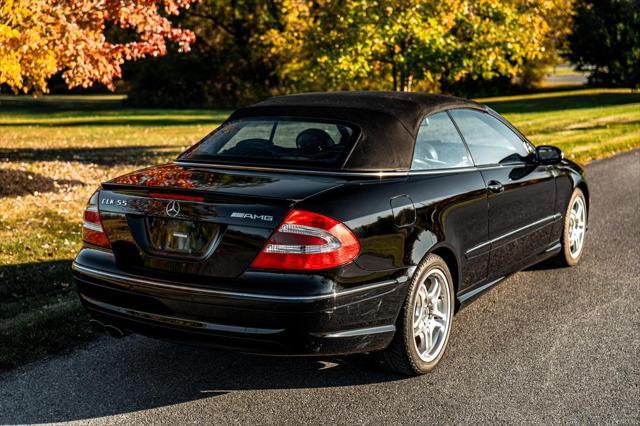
x,y
277,141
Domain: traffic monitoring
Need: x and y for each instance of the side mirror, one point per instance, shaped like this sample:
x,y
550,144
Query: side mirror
x,y
548,154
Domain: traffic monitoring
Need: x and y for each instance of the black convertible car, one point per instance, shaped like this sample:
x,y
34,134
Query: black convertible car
x,y
329,223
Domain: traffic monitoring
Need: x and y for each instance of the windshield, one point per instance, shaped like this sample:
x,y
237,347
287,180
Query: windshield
x,y
276,141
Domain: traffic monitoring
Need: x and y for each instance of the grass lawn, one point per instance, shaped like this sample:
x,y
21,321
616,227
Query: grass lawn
x,y
55,151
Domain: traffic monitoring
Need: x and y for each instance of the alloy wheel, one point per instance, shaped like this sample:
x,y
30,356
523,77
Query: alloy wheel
x,y
431,315
577,227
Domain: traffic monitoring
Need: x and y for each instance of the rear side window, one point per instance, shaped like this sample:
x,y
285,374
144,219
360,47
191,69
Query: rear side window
x,y
438,145
277,141
489,140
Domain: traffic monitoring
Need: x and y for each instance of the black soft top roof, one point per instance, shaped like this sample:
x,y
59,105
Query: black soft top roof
x,y
389,121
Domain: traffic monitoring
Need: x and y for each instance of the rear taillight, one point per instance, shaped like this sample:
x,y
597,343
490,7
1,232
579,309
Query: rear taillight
x,y
308,241
92,231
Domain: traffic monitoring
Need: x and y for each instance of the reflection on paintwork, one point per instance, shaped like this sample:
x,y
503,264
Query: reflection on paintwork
x,y
174,176
220,182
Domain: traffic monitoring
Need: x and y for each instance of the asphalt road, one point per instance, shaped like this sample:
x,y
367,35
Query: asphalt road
x,y
547,345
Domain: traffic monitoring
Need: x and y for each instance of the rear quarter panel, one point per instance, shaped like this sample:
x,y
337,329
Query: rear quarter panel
x,y
451,214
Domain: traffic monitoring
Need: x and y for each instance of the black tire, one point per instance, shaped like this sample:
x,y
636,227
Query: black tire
x,y
566,257
402,356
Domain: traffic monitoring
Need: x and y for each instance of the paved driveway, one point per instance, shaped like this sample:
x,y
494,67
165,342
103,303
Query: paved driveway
x,y
547,345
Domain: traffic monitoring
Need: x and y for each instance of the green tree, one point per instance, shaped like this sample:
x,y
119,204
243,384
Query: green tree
x,y
251,49
232,61
424,44
606,41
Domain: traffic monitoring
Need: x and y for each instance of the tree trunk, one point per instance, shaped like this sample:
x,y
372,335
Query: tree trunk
x,y
406,83
394,72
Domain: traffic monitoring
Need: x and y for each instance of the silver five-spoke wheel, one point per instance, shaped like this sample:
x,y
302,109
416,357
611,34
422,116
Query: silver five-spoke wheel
x,y
425,320
431,315
577,226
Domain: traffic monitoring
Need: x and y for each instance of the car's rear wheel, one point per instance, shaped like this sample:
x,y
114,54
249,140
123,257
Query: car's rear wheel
x,y
424,323
574,230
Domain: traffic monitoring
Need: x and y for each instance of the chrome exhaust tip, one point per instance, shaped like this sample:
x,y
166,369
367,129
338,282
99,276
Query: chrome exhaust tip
x,y
114,331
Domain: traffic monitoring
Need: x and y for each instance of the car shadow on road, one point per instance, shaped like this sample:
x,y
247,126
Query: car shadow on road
x,y
118,376
547,265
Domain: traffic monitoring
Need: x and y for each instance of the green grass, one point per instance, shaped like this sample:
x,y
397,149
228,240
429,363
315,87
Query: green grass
x,y
586,124
53,154
54,151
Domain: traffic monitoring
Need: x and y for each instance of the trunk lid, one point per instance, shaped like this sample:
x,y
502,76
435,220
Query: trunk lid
x,y
204,222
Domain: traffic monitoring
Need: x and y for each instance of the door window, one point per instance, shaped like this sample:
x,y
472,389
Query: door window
x,y
438,145
488,139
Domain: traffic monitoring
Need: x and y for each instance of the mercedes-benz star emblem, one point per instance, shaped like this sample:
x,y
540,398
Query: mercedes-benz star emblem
x,y
173,208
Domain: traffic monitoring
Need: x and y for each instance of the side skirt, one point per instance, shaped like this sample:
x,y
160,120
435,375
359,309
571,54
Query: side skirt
x,y
476,291
469,295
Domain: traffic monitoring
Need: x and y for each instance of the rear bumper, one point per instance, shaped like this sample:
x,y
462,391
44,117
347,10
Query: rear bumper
x,y
358,319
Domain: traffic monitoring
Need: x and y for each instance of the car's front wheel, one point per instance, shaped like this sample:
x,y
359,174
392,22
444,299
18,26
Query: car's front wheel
x,y
425,321
574,230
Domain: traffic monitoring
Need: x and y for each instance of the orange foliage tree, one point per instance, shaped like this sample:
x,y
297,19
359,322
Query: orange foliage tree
x,y
41,38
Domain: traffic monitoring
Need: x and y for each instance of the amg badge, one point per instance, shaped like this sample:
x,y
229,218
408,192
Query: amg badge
x,y
264,217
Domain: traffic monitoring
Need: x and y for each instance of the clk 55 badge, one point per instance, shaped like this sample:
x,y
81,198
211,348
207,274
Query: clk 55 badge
x,y
113,202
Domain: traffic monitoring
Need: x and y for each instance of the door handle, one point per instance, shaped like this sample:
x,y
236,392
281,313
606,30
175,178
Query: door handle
x,y
495,186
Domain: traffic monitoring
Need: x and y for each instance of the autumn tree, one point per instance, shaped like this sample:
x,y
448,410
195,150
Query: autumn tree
x,y
244,50
41,38
558,18
229,33
397,43
251,49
